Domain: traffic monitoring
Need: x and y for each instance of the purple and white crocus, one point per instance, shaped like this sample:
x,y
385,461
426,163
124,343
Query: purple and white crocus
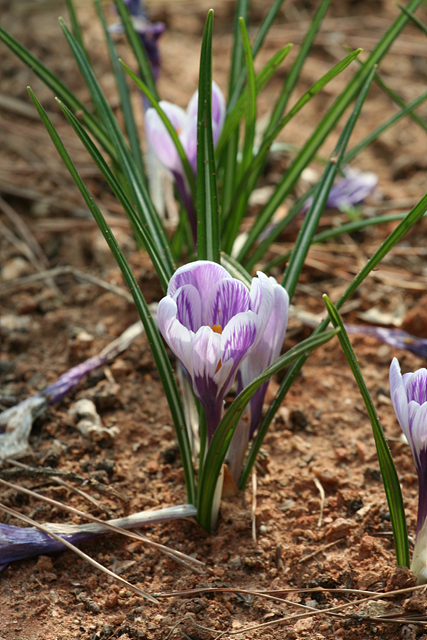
x,y
409,397
185,124
213,322
262,356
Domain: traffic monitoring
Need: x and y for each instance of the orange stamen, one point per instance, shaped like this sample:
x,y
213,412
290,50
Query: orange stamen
x,y
216,328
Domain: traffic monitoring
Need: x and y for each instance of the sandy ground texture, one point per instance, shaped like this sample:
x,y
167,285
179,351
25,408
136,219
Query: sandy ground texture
x,y
316,530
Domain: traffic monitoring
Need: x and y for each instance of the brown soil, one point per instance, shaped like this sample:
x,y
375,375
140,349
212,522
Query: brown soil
x,y
321,437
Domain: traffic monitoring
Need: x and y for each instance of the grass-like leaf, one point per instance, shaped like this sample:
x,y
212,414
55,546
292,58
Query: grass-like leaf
x,y
256,46
248,181
137,48
250,124
159,352
388,470
295,71
138,189
138,227
324,128
311,220
129,120
224,432
169,126
229,164
401,230
234,116
208,227
59,89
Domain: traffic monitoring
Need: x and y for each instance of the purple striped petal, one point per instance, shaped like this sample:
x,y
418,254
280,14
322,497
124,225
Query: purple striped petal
x,y
202,274
189,307
227,298
159,137
408,395
416,385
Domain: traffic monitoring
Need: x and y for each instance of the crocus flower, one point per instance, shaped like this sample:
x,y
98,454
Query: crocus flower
x,y
212,322
263,355
185,124
350,190
409,397
148,32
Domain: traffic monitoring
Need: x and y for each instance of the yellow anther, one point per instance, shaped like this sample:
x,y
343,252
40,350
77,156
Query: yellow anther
x,y
216,328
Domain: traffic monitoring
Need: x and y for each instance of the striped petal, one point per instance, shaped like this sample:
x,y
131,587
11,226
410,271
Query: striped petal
x,y
202,274
189,307
227,298
159,137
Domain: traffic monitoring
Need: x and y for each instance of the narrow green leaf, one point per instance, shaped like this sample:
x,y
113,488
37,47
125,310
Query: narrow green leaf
x,y
401,230
385,125
159,352
137,48
295,72
388,469
126,162
311,220
125,102
329,121
235,269
248,181
251,111
208,227
413,17
59,89
169,126
75,25
224,432
234,116
335,232
229,164
152,250
257,44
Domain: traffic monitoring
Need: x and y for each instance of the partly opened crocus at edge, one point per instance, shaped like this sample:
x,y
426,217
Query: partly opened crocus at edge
x,y
409,398
212,322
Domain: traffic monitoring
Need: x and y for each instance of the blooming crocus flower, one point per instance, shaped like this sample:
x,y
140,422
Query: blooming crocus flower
x,y
212,322
409,397
262,356
185,124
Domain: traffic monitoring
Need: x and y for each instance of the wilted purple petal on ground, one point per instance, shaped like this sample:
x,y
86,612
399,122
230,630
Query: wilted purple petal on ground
x,y
17,543
16,422
212,322
394,337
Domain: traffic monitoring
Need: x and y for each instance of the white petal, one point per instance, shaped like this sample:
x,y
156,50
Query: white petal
x,y
398,396
179,338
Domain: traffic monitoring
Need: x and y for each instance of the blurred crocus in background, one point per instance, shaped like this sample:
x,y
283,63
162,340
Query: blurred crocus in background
x,y
185,124
149,32
409,397
212,322
348,191
262,356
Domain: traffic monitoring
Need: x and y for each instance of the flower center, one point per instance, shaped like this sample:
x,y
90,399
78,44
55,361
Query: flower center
x,y
216,328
